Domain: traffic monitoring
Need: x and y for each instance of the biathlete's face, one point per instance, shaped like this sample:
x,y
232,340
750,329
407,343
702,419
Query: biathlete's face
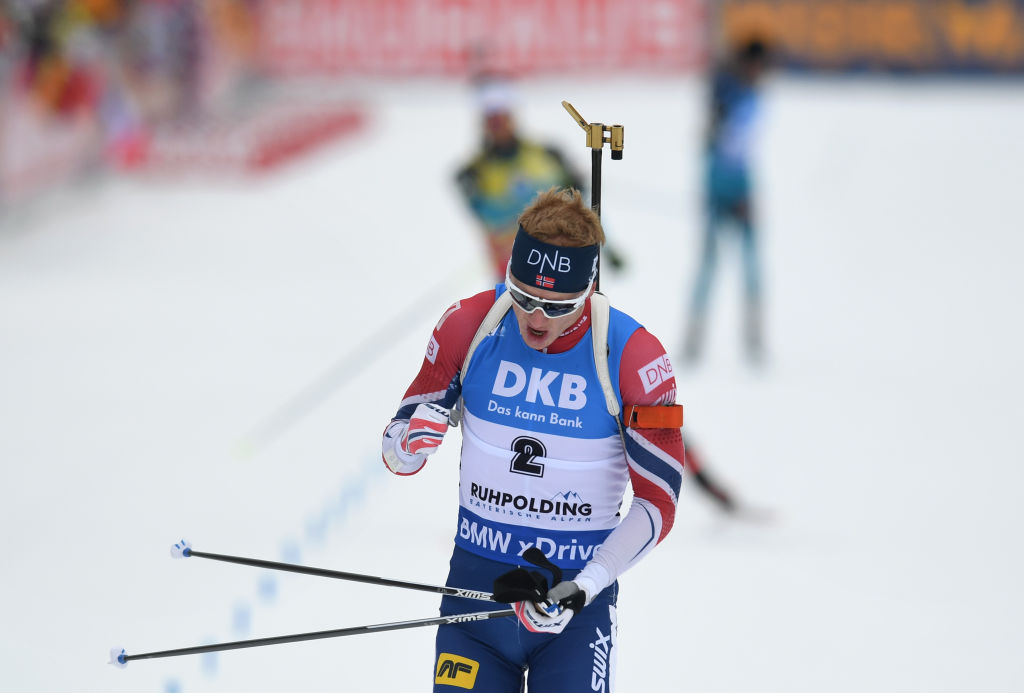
x,y
499,127
539,330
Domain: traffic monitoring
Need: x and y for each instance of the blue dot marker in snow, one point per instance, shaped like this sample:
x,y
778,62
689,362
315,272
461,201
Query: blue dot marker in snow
x,y
208,661
316,528
290,552
267,588
241,619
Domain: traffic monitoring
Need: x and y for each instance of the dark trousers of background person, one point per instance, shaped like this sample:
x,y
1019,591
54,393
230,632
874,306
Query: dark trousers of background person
x,y
728,208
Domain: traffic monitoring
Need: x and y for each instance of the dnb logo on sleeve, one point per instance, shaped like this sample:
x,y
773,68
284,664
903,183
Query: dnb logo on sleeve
x,y
453,670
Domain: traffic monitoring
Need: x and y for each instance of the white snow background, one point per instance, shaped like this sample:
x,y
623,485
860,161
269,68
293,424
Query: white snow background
x,y
149,327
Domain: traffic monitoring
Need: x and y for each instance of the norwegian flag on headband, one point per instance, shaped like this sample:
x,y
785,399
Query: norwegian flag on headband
x,y
545,282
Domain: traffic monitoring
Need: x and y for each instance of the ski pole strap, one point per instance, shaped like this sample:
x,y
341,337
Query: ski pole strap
x,y
664,416
520,585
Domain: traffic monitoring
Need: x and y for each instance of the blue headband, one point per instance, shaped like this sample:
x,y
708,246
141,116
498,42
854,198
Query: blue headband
x,y
553,267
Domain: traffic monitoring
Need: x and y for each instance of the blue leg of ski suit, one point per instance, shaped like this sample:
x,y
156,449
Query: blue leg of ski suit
x,y
499,655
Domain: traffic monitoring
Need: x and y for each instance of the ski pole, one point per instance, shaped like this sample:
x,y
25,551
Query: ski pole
x,y
185,550
120,658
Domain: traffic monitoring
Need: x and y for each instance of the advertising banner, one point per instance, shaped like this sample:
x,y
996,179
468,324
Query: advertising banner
x,y
424,37
983,36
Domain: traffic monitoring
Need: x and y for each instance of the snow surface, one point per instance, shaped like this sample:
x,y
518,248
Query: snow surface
x,y
176,361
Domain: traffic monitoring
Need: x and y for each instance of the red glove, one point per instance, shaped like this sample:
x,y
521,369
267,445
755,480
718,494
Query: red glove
x,y
407,443
426,429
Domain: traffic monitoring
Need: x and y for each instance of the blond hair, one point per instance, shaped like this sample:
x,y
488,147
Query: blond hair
x,y
560,217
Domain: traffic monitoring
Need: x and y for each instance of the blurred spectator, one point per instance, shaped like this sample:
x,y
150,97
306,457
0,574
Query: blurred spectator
x,y
56,71
163,58
729,192
84,84
507,173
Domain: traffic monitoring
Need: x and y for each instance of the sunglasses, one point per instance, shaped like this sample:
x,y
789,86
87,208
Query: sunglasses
x,y
550,308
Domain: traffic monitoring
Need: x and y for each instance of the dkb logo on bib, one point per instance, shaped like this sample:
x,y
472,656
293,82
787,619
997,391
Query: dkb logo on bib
x,y
511,380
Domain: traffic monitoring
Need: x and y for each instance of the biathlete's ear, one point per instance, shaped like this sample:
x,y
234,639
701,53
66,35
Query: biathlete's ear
x,y
520,585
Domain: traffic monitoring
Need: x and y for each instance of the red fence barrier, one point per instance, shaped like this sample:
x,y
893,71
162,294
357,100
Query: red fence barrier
x,y
452,37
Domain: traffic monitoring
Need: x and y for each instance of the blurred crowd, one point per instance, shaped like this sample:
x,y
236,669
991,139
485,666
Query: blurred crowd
x,y
114,70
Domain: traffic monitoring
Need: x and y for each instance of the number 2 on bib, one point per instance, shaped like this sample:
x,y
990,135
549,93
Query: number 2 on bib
x,y
527,450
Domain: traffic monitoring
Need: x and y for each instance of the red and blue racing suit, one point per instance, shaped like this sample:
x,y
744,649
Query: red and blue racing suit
x,y
544,464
